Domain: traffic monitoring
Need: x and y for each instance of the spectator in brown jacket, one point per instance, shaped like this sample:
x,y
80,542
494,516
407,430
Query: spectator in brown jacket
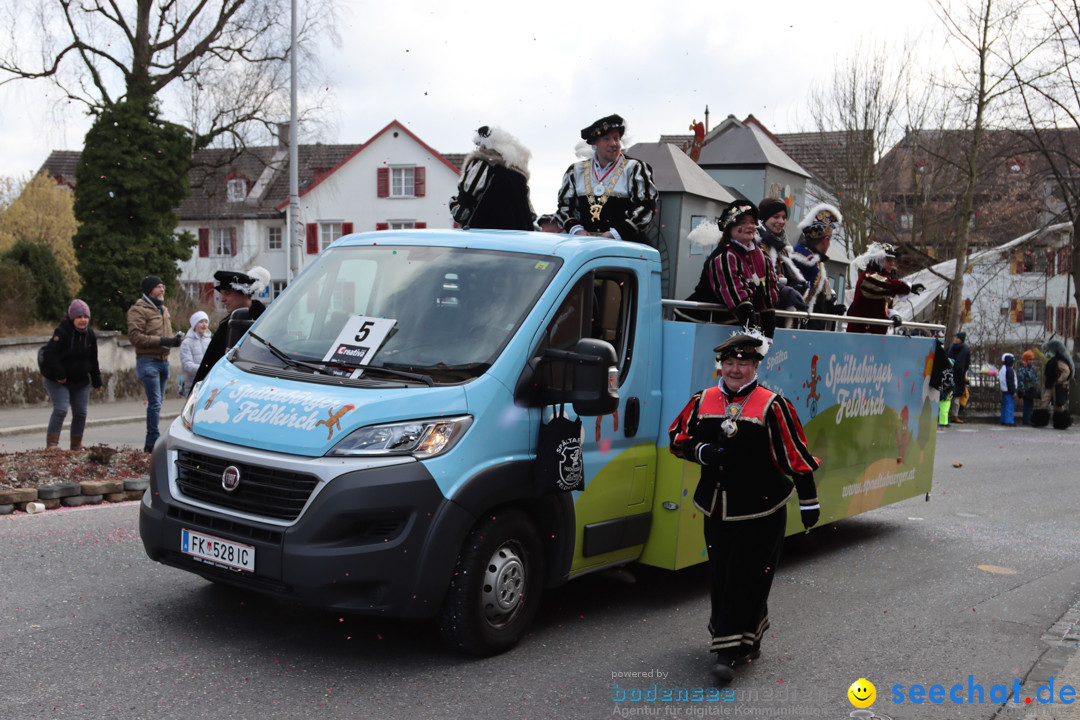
x,y
150,331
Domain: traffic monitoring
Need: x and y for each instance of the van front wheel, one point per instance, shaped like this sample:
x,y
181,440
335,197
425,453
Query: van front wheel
x,y
495,591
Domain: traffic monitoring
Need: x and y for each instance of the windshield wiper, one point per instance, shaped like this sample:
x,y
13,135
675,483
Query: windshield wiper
x,y
426,379
284,357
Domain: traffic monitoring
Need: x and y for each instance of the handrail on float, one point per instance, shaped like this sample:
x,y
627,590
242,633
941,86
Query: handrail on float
x,y
807,315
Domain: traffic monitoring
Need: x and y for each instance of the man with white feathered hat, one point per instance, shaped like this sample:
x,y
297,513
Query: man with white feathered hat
x,y
236,290
493,191
876,288
810,254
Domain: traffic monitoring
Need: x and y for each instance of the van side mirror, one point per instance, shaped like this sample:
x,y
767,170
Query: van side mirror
x,y
586,377
239,322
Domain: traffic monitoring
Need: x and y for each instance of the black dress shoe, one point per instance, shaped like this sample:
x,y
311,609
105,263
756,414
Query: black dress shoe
x,y
723,671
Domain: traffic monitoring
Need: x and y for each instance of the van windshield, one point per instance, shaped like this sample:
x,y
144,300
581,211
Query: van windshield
x,y
452,310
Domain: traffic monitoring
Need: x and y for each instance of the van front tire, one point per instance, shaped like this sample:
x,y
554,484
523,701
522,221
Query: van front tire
x,y
495,591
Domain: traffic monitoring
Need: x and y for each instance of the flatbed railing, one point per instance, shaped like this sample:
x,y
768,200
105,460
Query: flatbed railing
x,y
671,305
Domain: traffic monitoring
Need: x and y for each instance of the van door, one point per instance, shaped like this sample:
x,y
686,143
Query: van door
x,y
619,450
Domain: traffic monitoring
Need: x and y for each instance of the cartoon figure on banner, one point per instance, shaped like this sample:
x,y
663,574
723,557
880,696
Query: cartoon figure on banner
x,y
333,421
813,396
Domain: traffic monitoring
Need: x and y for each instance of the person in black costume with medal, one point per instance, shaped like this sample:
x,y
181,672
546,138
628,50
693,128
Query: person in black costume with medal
x,y
608,194
751,447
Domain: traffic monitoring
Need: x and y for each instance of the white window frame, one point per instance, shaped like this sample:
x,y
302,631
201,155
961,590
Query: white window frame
x,y
191,289
276,288
401,224
275,238
1037,308
236,189
221,242
403,181
907,221
329,231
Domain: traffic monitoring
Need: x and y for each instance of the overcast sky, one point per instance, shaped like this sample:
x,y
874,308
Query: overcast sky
x,y
543,70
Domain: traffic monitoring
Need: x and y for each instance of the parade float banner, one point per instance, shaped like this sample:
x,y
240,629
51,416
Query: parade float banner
x,y
864,402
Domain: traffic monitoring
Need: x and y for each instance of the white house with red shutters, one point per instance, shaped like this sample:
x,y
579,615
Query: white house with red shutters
x,y
239,205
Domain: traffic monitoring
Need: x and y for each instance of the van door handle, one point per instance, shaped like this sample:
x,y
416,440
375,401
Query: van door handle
x,y
633,417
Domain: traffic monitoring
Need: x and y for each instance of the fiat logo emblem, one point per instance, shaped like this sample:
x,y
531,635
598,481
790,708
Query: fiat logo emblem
x,y
230,479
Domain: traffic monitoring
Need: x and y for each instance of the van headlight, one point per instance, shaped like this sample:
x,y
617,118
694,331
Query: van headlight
x,y
420,438
188,413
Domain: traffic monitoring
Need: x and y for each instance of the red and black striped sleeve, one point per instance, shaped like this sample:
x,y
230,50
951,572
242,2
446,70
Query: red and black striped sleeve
x,y
680,430
790,451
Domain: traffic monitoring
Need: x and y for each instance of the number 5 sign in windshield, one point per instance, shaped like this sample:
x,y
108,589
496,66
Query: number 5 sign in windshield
x,y
358,340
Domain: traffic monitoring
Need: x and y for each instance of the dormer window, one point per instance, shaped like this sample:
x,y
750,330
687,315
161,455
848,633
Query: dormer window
x,y
236,189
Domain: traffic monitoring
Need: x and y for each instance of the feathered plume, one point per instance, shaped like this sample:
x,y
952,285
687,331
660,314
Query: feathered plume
x,y
513,152
873,257
820,214
705,234
260,278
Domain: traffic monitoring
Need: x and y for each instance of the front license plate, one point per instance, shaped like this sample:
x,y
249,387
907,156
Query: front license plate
x,y
217,550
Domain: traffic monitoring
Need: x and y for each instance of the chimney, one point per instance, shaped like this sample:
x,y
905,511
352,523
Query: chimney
x,y
283,135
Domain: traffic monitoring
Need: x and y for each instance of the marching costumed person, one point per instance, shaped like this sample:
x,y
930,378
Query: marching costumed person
x,y
809,255
753,456
236,290
493,191
1058,371
607,194
793,284
737,274
875,289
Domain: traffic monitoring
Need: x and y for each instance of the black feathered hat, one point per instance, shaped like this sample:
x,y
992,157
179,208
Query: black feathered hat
x,y
602,127
736,210
747,343
250,283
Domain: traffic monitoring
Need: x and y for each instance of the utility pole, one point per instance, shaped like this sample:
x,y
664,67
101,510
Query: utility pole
x,y
294,170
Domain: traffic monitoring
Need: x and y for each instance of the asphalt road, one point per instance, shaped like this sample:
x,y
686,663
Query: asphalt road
x,y
915,593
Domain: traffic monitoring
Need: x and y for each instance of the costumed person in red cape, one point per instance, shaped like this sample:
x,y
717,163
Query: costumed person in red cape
x,y
876,287
607,194
751,446
493,191
1059,369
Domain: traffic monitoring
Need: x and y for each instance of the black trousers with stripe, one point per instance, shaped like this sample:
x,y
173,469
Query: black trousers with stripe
x,y
743,555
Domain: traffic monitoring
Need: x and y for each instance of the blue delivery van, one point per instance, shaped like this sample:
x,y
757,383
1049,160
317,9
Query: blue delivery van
x,y
370,444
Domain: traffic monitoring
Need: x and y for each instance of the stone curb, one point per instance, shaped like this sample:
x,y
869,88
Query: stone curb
x,y
90,422
86,492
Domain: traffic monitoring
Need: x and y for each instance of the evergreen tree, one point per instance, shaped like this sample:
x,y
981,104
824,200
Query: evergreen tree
x,y
132,174
52,296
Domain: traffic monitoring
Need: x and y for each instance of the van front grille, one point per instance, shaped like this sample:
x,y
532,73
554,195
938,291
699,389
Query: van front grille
x,y
267,492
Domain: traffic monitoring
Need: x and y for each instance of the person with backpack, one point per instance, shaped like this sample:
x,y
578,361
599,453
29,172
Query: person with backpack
x,y
69,364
